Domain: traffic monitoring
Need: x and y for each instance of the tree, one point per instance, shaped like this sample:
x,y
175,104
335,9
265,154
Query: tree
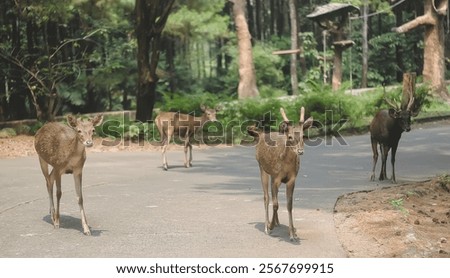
x,y
365,45
151,16
247,78
294,45
434,58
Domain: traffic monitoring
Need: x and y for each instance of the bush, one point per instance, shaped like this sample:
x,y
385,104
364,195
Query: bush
x,y
7,132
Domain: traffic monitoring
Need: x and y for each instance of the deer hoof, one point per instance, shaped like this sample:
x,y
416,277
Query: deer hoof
x,y
87,232
165,167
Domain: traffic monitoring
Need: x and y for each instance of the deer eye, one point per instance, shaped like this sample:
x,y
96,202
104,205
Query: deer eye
x,y
79,130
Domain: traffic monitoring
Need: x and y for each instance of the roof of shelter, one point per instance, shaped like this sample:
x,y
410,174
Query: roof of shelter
x,y
331,9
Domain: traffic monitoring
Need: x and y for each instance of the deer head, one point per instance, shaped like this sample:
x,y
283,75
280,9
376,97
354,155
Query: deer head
x,y
403,115
85,128
294,134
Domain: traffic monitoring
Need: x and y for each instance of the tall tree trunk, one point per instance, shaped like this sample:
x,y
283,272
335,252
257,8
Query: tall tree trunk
x,y
398,47
434,59
365,45
336,79
151,17
294,45
247,78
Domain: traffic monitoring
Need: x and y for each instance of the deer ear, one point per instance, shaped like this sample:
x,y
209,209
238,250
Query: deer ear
x,y
97,120
218,108
308,123
72,121
283,128
203,107
393,113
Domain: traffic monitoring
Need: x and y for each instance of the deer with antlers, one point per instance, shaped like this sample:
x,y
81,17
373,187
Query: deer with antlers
x,y
387,127
278,156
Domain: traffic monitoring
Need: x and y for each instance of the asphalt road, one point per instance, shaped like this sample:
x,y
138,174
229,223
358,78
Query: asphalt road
x,y
215,209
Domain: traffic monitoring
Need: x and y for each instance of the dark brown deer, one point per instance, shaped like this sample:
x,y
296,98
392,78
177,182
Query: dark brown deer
x,y
386,129
278,154
184,126
63,147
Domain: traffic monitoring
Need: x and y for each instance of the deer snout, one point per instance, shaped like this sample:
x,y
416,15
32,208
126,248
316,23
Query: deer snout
x,y
88,143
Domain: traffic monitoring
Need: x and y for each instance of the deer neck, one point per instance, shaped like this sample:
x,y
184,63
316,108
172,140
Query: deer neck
x,y
203,119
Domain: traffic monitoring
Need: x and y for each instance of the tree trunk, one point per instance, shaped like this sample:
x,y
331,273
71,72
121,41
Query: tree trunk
x,y
336,80
151,17
365,46
434,59
247,78
294,45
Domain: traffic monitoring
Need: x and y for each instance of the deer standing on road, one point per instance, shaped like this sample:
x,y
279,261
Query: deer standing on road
x,y
184,126
386,129
278,156
63,147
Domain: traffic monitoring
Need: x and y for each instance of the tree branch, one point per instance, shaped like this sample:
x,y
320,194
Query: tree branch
x,y
426,19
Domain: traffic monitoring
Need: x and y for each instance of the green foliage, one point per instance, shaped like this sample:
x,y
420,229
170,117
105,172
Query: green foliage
x,y
123,128
398,205
7,132
189,103
200,23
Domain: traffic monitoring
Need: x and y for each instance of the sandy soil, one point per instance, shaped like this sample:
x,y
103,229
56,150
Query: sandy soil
x,y
407,220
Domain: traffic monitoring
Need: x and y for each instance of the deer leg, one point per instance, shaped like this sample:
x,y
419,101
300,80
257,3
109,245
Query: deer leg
x,y
187,145
375,157
394,151
289,196
164,149
385,156
265,185
50,182
190,154
275,185
78,188
49,185
58,197
383,163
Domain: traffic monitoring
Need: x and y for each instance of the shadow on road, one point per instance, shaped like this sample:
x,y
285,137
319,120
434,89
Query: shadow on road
x,y
281,232
71,223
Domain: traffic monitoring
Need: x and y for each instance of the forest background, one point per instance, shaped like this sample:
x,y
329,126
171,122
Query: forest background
x,y
81,56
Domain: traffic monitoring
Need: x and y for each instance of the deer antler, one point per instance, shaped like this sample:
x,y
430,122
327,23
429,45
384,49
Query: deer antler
x,y
392,104
302,115
283,114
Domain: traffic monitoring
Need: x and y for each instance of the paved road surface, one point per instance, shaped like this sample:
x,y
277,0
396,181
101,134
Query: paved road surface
x,y
214,209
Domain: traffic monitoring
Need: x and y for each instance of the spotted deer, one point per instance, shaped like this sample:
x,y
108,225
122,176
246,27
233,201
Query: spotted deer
x,y
184,126
63,147
278,156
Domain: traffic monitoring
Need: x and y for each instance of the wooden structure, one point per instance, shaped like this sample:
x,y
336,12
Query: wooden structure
x,y
333,18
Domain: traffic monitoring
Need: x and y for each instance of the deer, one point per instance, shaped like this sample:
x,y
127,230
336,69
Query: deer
x,y
386,129
63,147
278,157
184,126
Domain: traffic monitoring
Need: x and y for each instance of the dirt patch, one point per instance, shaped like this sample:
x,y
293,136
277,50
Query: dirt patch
x,y
22,145
408,221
